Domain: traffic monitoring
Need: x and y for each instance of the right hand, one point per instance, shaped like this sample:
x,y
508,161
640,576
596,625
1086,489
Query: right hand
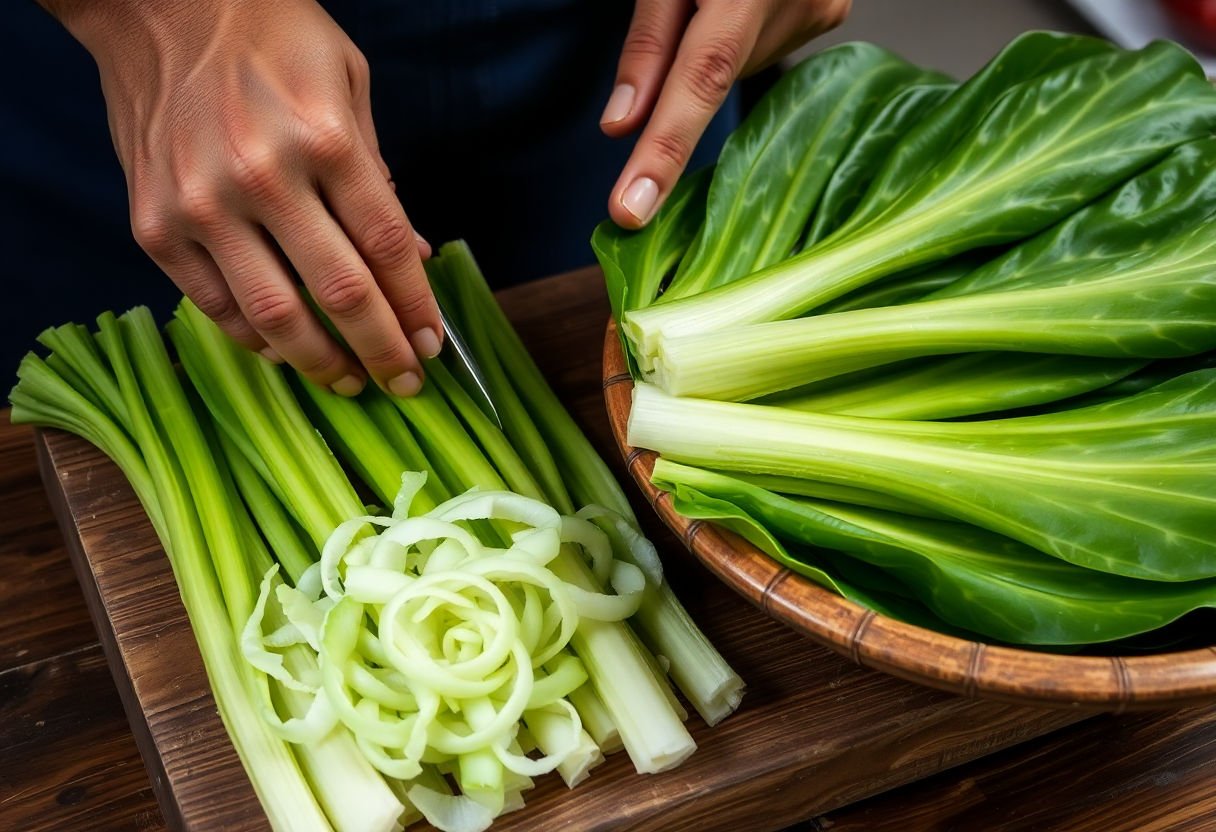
x,y
245,131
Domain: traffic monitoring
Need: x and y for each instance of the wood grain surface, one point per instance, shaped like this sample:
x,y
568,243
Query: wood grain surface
x,y
68,761
42,612
1149,773
969,668
67,756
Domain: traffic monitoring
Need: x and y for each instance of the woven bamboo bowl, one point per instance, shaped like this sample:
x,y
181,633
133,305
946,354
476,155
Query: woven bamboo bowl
x,y
969,668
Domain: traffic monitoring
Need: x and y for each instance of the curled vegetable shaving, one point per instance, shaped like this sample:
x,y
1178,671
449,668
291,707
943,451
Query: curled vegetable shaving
x,y
435,646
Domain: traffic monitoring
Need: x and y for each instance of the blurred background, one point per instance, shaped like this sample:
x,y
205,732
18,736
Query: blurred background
x,y
958,36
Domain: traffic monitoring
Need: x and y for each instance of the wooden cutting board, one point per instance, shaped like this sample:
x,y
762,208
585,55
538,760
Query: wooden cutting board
x,y
816,732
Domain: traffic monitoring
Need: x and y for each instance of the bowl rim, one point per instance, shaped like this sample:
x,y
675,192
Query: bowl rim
x,y
970,668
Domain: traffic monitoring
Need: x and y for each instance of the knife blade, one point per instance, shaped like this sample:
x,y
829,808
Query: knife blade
x,y
465,366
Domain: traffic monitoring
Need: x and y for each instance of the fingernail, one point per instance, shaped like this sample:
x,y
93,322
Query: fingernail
x,y
426,342
350,385
640,198
405,385
270,354
620,104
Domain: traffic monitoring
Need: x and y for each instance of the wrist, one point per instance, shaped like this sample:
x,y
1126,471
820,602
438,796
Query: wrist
x,y
103,25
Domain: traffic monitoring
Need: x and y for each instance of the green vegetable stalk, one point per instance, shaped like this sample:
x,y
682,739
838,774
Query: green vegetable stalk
x,y
1124,487
1046,147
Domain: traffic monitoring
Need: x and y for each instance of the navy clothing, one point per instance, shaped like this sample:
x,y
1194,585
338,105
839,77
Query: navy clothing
x,y
487,113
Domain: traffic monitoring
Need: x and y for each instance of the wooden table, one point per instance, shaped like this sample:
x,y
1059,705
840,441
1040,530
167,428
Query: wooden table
x,y
68,760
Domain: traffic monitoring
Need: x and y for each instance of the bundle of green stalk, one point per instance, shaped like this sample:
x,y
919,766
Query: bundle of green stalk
x,y
948,348
493,616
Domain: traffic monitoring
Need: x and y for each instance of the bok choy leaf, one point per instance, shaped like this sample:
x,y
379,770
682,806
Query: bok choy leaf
x,y
972,578
1047,147
1124,487
776,164
1159,303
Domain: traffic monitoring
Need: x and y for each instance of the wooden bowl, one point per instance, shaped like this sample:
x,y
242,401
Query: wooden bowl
x,y
970,668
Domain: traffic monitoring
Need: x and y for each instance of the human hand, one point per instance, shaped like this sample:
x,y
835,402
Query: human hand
x,y
244,128
677,67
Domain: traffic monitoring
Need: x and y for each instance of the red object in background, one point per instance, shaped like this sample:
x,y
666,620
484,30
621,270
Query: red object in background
x,y
1195,19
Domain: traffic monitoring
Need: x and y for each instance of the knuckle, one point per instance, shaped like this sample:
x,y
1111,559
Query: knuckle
x,y
644,41
712,70
672,150
322,367
271,311
388,239
199,201
389,358
836,13
326,137
218,306
359,68
153,230
345,294
254,168
413,304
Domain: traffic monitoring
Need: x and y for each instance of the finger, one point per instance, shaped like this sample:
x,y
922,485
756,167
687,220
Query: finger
x,y
345,289
192,270
361,101
715,46
375,223
650,47
791,26
267,296
359,76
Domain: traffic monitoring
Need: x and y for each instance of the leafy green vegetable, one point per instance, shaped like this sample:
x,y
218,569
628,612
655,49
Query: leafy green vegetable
x,y
1123,487
1176,195
1155,304
776,164
543,430
972,578
1156,372
698,505
834,492
1025,58
858,166
964,385
1034,243
1046,147
903,287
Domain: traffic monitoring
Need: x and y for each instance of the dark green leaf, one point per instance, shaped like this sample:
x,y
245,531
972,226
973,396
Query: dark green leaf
x,y
1175,196
859,165
869,592
775,165
1046,148
1023,59
970,577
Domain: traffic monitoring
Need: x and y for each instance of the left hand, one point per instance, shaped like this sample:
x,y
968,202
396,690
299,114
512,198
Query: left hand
x,y
679,62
